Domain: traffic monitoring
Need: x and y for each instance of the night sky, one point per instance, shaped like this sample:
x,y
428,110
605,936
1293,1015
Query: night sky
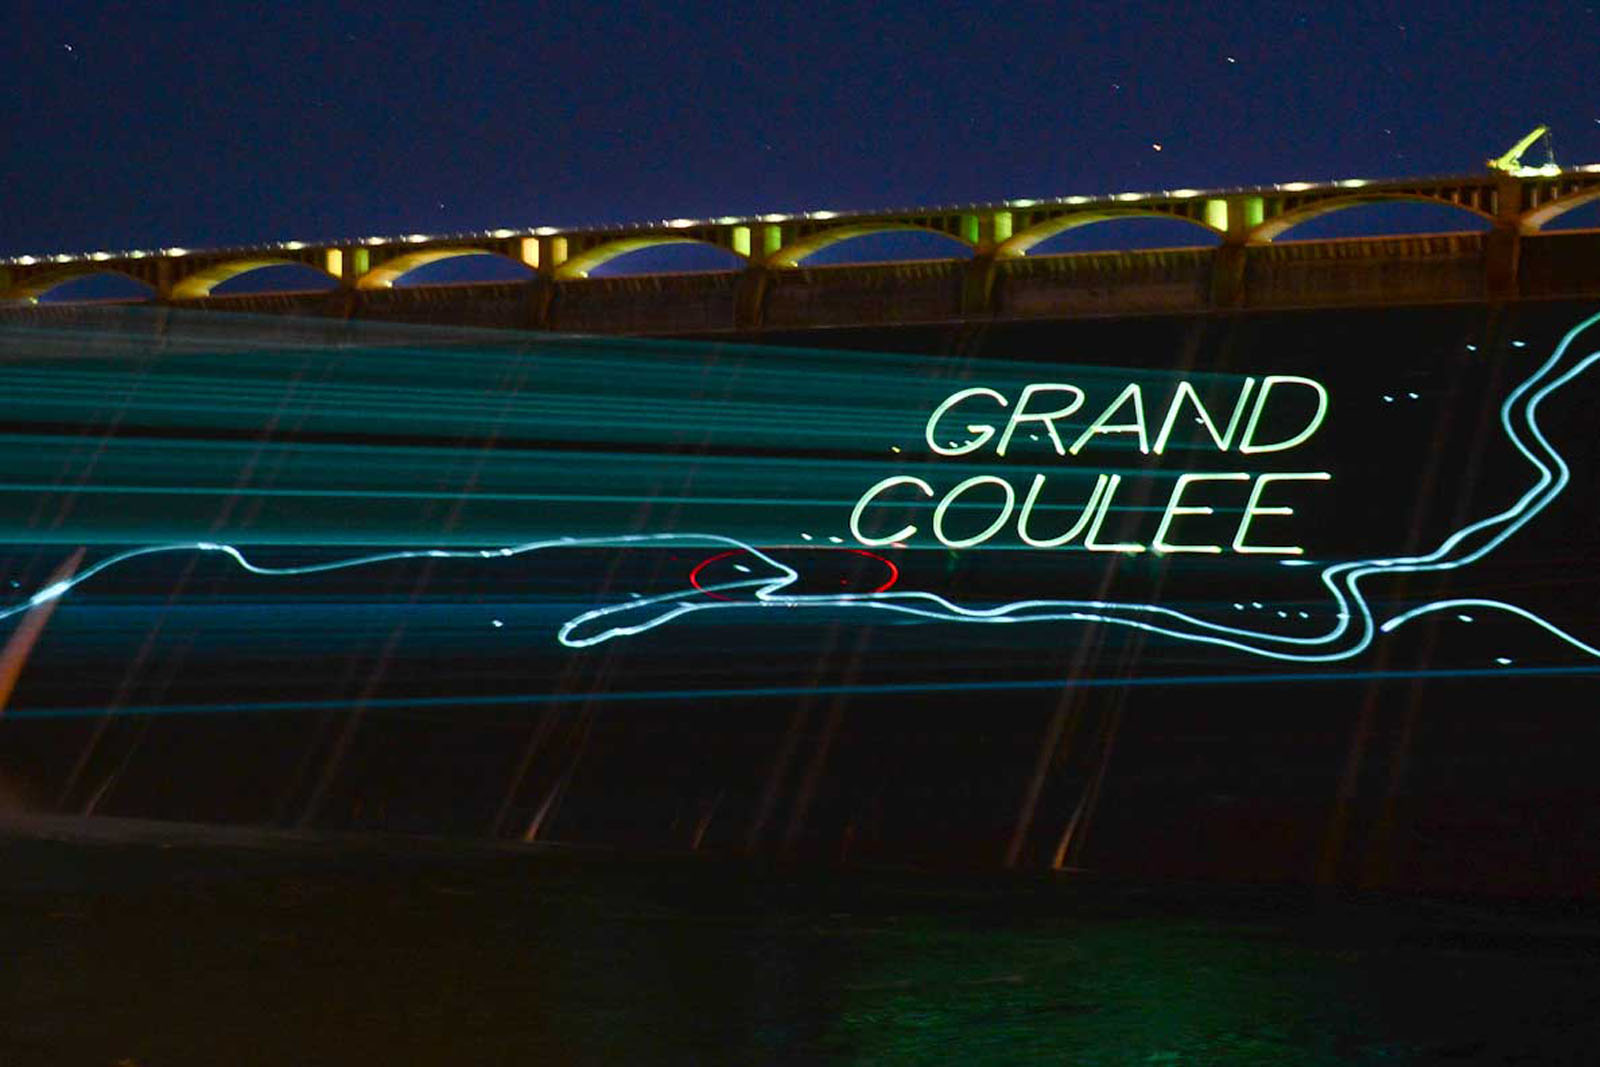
x,y
200,124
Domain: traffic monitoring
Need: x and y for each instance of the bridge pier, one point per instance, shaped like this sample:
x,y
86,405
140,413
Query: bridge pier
x,y
163,279
977,286
1503,248
1227,275
1502,256
750,297
541,302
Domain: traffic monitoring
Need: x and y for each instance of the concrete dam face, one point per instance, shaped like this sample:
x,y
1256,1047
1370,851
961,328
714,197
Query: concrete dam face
x,y
1136,582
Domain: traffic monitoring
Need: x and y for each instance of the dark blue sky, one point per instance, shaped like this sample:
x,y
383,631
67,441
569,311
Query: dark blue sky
x,y
207,123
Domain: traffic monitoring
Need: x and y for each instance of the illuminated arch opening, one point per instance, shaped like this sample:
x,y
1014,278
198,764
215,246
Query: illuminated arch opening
x,y
871,243
678,257
1123,232
81,286
1373,216
1578,212
589,260
263,275
444,266
277,278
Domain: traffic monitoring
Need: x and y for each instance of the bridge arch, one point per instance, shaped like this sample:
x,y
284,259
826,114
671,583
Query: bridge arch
x,y
1536,219
1020,242
203,281
36,286
1275,226
385,274
579,265
791,254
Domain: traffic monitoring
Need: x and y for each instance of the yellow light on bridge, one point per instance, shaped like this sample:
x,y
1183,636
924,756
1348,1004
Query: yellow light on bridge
x,y
1296,187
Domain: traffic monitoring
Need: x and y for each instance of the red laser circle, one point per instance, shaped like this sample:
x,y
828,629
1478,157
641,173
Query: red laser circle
x,y
694,575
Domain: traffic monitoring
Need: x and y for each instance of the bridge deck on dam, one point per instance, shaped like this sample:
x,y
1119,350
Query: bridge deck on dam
x,y
992,275
1366,272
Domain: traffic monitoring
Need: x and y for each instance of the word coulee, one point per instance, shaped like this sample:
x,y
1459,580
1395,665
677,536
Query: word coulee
x,y
1125,415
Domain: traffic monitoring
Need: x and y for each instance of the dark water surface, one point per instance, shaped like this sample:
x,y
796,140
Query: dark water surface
x,y
138,944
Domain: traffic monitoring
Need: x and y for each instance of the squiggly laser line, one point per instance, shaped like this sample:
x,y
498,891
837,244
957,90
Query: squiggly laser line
x,y
61,588
1354,627
1352,632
